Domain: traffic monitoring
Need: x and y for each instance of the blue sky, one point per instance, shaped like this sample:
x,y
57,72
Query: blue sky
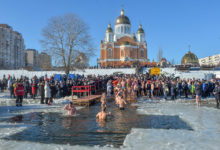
x,y
172,25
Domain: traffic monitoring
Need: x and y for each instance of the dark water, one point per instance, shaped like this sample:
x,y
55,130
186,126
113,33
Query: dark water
x,y
84,129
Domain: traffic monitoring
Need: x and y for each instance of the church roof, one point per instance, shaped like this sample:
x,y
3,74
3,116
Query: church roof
x,y
109,29
189,58
122,19
140,30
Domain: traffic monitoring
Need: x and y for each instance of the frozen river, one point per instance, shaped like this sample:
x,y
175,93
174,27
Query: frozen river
x,y
148,124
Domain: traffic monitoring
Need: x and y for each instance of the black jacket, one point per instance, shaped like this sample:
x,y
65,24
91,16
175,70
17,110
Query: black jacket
x,y
198,89
41,89
217,92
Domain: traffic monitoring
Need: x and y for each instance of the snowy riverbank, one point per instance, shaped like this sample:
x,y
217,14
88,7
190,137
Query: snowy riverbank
x,y
205,122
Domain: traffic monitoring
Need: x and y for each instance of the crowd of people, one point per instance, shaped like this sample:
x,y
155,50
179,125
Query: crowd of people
x,y
122,86
156,87
46,88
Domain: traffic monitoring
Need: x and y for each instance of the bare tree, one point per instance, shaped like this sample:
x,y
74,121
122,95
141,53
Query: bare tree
x,y
82,61
173,62
65,39
159,54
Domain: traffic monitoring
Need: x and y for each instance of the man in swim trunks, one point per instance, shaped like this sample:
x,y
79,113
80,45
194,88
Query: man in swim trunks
x,y
70,108
123,84
121,102
103,101
102,115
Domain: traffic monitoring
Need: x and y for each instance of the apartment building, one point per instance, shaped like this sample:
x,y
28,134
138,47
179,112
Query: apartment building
x,y
11,48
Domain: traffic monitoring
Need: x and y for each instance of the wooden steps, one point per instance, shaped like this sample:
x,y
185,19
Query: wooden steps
x,y
87,100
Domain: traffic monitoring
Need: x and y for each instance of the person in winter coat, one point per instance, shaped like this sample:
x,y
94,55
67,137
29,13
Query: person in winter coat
x,y
192,90
47,91
109,88
53,91
1,86
216,92
19,93
185,89
179,88
172,92
41,91
11,88
58,89
34,89
198,91
4,82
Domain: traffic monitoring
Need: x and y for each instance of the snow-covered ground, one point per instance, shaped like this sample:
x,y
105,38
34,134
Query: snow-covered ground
x,y
198,74
30,74
205,122
191,74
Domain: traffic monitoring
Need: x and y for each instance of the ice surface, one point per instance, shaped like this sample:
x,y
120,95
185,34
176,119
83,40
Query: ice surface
x,y
205,122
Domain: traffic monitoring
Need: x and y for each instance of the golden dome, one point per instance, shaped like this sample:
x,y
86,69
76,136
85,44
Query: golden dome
x,y
109,29
190,58
140,30
122,19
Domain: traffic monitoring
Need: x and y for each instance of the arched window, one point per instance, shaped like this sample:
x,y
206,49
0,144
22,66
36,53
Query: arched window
x,y
109,53
142,52
126,29
122,53
142,38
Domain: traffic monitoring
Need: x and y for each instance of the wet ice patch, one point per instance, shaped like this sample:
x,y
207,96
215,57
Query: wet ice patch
x,y
170,140
205,122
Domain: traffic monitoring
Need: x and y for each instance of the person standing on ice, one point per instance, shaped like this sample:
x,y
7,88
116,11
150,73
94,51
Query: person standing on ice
x,y
216,92
1,86
19,93
47,91
10,87
198,91
34,89
41,91
109,88
4,82
192,89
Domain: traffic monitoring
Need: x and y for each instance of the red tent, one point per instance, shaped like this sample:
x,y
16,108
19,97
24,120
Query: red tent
x,y
115,82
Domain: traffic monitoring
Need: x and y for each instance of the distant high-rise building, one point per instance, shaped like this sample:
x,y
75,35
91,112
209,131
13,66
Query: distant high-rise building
x,y
45,61
11,48
32,58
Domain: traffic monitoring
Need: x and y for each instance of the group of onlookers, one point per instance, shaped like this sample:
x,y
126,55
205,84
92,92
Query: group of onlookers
x,y
156,87
153,87
49,88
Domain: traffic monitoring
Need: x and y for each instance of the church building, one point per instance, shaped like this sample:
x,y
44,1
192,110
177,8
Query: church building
x,y
120,47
